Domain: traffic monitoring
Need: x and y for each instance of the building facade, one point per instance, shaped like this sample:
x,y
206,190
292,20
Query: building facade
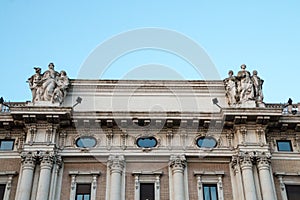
x,y
155,140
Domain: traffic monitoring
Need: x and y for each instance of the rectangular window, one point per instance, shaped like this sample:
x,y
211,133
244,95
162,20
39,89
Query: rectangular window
x,y
210,192
147,191
2,190
7,144
284,145
293,192
83,192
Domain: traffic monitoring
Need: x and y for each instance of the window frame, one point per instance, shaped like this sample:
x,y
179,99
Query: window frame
x,y
287,179
10,140
210,186
82,177
204,137
288,141
6,179
146,137
209,178
89,194
147,177
85,136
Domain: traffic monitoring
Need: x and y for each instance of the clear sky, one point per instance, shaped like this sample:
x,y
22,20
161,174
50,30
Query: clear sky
x,y
265,35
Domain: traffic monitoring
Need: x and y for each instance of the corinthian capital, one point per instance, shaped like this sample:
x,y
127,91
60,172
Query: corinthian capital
x,y
263,160
28,158
116,162
47,158
246,159
177,162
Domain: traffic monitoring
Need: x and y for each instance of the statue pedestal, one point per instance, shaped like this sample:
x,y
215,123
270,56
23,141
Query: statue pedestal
x,y
43,104
248,104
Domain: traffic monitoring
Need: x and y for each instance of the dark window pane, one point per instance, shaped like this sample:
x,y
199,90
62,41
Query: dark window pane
x,y
210,192
284,145
86,142
293,192
7,144
147,142
147,191
2,190
83,191
206,142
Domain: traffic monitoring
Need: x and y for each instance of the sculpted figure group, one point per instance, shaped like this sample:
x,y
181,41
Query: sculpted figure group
x,y
49,86
243,87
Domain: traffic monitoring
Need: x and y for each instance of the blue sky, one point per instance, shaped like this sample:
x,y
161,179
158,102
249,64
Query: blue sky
x,y
265,35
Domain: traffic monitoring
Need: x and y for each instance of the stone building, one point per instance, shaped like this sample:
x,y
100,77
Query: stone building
x,y
155,140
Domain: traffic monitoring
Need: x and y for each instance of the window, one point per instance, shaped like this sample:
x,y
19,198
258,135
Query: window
x,y
2,190
210,192
83,192
147,191
210,184
86,142
293,192
7,144
83,185
284,145
147,185
146,142
206,142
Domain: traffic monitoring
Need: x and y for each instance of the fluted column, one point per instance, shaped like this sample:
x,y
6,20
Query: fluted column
x,y
45,176
248,178
263,165
116,166
177,164
25,186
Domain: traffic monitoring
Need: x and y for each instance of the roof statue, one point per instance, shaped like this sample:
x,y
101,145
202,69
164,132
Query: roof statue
x,y
51,86
244,89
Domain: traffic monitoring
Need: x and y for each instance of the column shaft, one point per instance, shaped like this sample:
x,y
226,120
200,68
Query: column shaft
x,y
248,178
26,182
115,189
177,165
25,186
116,166
45,178
178,182
266,179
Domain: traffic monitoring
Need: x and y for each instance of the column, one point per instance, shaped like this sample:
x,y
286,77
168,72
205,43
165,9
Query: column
x,y
177,164
248,179
45,176
263,165
116,166
25,186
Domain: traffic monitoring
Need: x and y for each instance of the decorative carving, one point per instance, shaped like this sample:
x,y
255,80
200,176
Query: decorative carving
x,y
73,182
231,88
177,162
124,136
263,161
246,159
109,138
116,163
29,159
257,83
243,90
169,138
50,86
94,182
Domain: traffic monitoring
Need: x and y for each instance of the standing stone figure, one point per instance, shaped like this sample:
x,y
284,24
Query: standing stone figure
x,y
34,82
48,83
62,83
245,85
257,83
230,87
